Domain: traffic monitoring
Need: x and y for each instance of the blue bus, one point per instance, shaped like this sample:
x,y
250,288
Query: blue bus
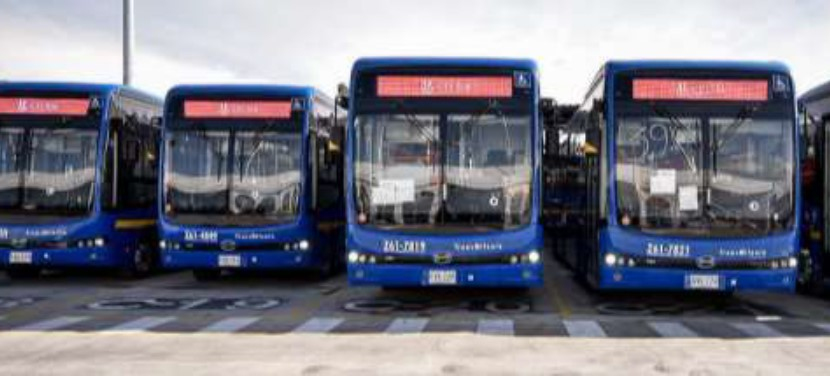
x,y
814,111
443,173
692,171
78,171
252,178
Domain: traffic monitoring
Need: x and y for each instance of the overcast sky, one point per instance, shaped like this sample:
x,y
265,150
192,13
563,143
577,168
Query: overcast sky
x,y
313,42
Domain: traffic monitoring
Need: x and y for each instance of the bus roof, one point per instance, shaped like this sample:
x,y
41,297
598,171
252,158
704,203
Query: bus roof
x,y
246,89
761,66
438,62
77,87
817,100
816,94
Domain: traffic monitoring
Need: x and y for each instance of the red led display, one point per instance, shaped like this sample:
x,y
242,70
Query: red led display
x,y
245,109
700,90
445,86
44,106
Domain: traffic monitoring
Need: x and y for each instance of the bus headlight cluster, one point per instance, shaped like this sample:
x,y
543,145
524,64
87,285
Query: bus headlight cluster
x,y
91,243
356,257
303,245
793,262
610,259
613,259
534,257
782,263
165,244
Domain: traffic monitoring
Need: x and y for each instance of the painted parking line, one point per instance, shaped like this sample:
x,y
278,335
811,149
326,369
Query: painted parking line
x,y
53,324
672,329
230,325
319,325
141,324
757,330
823,326
583,328
500,327
407,325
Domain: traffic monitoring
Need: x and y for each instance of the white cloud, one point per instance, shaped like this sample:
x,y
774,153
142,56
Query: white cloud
x,y
314,41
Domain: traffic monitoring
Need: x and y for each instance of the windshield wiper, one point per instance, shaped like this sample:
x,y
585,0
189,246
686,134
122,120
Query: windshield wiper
x,y
664,113
743,115
259,139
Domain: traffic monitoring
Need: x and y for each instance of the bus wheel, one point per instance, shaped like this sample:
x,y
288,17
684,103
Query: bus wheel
x,y
22,272
141,264
327,269
204,275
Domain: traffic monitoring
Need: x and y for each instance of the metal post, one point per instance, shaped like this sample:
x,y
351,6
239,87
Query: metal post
x,y
128,41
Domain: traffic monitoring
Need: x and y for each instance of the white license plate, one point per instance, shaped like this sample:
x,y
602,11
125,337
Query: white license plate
x,y
20,258
703,282
442,277
230,261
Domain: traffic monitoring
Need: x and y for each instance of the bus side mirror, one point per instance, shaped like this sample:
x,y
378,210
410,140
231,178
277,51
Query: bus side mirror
x,y
342,95
343,101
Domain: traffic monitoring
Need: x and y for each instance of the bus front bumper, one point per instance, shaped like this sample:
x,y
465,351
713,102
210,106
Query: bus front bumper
x,y
70,257
195,259
783,280
526,275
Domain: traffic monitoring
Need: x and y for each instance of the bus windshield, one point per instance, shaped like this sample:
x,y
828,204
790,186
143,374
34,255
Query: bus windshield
x,y
47,170
443,171
705,174
232,177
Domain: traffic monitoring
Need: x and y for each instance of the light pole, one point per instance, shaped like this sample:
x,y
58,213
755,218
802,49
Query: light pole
x,y
128,41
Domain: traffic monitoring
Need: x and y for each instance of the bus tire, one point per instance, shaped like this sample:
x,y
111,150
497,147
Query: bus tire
x,y
22,272
206,275
142,263
327,269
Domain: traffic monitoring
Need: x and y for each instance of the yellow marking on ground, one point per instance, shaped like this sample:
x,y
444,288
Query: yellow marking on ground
x,y
561,303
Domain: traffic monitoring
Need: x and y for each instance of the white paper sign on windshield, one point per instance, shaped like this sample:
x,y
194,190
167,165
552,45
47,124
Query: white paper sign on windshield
x,y
663,182
393,191
687,198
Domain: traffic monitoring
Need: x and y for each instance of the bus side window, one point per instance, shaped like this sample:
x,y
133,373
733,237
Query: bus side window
x,y
131,168
109,198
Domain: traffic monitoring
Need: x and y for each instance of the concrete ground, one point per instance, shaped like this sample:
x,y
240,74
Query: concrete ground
x,y
87,323
36,353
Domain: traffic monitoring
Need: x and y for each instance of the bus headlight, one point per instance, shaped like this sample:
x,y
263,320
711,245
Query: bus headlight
x,y
793,262
353,257
162,244
610,259
303,245
534,257
99,242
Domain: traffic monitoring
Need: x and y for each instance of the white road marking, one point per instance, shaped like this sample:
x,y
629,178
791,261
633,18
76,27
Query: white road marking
x,y
757,330
319,325
672,329
583,328
141,324
501,327
230,325
767,318
407,325
53,324
823,326
193,304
